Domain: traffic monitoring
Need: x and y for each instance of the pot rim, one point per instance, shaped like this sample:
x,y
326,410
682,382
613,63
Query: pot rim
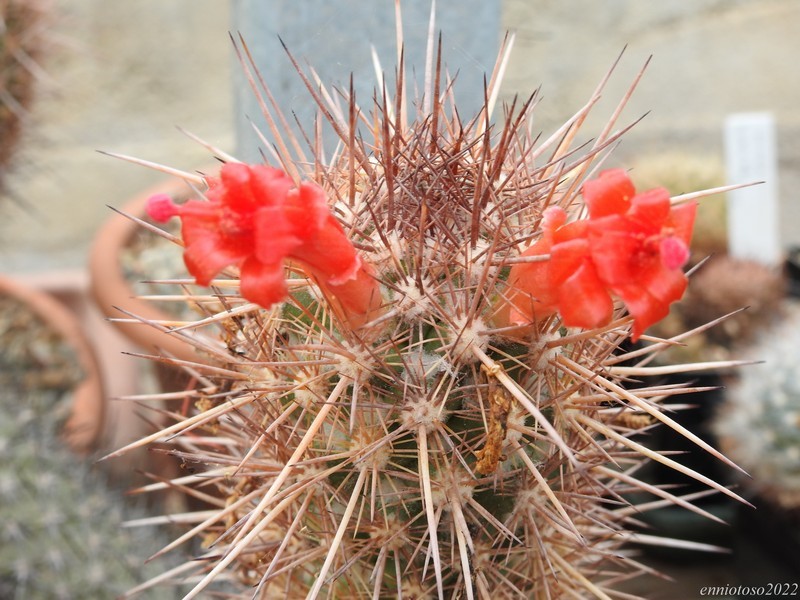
x,y
112,292
84,426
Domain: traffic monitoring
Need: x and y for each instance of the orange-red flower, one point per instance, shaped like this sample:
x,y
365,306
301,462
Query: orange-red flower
x,y
255,218
632,246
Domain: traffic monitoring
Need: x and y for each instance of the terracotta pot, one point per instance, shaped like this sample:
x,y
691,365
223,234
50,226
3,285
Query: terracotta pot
x,y
85,423
113,292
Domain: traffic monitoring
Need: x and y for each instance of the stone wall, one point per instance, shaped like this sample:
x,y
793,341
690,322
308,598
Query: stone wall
x,y
121,77
710,58
124,74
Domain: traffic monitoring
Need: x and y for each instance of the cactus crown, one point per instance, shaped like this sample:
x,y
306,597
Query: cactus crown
x,y
378,423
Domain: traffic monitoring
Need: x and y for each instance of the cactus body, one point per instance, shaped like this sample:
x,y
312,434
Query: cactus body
x,y
759,424
428,446
62,533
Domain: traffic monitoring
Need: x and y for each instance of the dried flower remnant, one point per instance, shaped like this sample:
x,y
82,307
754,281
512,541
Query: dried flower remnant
x,y
490,456
632,246
255,218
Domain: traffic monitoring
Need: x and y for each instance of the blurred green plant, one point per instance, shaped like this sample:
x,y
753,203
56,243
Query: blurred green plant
x,y
759,424
682,173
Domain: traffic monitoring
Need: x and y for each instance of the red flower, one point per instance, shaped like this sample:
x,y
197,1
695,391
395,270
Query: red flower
x,y
255,218
632,246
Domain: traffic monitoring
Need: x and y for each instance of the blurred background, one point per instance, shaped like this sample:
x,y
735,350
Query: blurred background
x,y
123,77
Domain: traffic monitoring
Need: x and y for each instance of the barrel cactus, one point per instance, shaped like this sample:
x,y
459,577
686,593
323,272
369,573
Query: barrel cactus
x,y
759,424
62,534
409,380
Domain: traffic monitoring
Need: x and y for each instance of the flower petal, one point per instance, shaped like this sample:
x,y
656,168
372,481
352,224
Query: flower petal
x,y
674,252
565,259
274,236
269,186
524,310
207,256
201,219
530,292
262,283
608,194
649,210
553,217
643,307
360,296
616,250
232,189
584,301
307,210
681,221
570,231
665,285
648,300
244,188
329,254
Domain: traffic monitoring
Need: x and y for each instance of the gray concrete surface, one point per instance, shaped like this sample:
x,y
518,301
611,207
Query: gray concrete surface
x,y
337,38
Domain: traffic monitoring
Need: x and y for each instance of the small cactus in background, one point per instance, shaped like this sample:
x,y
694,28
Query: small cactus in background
x,y
61,527
35,357
62,531
21,43
412,383
759,424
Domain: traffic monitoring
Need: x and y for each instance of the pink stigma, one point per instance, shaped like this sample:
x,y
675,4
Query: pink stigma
x,y
674,252
161,208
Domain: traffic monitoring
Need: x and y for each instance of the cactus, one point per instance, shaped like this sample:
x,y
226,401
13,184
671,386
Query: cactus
x,y
21,44
35,358
759,423
401,395
62,532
